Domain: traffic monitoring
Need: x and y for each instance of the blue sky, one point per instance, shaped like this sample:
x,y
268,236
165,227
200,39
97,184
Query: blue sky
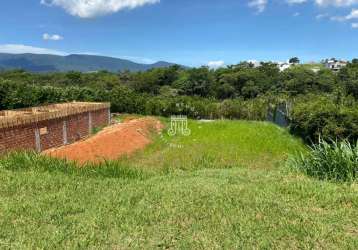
x,y
190,32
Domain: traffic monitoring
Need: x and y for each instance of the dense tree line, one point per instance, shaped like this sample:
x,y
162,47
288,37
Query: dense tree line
x,y
236,81
324,102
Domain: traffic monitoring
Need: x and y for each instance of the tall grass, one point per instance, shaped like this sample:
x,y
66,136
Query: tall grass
x,y
31,161
336,161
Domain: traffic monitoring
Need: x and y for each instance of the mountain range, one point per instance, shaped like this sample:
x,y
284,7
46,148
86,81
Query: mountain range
x,y
84,63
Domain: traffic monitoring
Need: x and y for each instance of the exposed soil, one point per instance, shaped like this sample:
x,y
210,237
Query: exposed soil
x,y
111,143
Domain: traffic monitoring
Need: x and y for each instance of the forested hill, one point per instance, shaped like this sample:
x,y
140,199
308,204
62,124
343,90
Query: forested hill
x,y
84,63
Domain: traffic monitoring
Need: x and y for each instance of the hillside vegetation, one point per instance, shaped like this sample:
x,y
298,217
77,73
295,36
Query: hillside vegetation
x,y
320,103
225,186
84,63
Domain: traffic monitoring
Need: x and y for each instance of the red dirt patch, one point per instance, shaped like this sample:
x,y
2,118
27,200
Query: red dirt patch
x,y
111,143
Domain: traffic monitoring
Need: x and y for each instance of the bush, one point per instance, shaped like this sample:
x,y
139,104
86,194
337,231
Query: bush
x,y
329,161
316,116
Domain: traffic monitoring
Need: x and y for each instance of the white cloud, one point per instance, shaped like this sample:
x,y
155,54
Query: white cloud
x,y
296,1
216,64
355,25
338,18
338,3
296,14
259,5
93,8
352,15
20,49
54,37
321,16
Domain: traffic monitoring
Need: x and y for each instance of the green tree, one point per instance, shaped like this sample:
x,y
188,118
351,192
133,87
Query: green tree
x,y
294,60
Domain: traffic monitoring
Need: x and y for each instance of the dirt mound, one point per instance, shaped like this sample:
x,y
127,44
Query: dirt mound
x,y
110,143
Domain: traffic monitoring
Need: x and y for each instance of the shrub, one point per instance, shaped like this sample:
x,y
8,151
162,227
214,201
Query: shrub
x,y
321,116
329,161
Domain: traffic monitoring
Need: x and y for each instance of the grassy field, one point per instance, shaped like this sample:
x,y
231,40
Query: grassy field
x,y
225,186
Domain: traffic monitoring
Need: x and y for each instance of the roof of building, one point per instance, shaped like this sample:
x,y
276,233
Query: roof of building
x,y
18,117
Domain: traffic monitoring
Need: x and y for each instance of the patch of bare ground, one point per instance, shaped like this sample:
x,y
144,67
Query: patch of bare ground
x,y
111,143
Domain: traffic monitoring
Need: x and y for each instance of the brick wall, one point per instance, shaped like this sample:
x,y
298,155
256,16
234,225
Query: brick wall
x,y
52,137
100,117
52,133
22,137
77,127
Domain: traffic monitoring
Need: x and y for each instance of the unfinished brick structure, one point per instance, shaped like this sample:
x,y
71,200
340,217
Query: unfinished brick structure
x,y
42,128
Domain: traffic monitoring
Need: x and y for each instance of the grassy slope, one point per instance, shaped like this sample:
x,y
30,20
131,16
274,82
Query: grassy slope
x,y
224,188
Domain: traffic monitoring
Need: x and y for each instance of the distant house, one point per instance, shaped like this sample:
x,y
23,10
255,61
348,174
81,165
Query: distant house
x,y
255,63
335,65
281,65
284,66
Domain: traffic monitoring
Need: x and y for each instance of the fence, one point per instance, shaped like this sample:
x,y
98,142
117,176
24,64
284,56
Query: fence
x,y
279,114
41,128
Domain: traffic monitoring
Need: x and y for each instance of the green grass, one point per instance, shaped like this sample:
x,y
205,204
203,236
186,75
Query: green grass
x,y
226,186
96,130
223,144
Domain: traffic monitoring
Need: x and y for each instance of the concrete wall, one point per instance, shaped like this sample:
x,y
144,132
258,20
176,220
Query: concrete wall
x,y
52,133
